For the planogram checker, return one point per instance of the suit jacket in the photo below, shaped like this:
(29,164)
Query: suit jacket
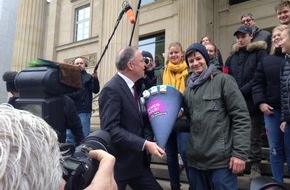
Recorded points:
(120,116)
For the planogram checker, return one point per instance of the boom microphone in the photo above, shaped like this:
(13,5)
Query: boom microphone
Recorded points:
(130,13)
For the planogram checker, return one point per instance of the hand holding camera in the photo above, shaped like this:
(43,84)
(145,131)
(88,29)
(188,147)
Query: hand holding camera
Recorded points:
(80,169)
(105,172)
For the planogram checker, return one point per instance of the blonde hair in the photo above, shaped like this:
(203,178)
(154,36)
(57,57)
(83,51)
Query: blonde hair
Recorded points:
(281,28)
(177,45)
(29,152)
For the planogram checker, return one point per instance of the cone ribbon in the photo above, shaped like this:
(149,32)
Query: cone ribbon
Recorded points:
(162,103)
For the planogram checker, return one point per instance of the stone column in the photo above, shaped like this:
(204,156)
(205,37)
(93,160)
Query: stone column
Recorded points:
(121,38)
(30,30)
(195,20)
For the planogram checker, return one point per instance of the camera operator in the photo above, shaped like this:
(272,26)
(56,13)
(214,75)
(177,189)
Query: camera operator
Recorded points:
(30,157)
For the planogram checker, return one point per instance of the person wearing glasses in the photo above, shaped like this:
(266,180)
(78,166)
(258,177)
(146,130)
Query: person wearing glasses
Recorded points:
(258,33)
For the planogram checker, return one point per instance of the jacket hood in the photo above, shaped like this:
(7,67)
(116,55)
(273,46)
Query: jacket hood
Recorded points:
(258,45)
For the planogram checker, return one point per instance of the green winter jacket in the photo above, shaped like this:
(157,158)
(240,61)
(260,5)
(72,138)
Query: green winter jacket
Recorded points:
(220,123)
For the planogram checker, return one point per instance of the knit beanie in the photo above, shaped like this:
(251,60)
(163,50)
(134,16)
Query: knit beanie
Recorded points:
(147,54)
(197,47)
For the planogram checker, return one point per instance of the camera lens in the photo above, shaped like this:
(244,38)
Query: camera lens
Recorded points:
(97,140)
(147,60)
(79,169)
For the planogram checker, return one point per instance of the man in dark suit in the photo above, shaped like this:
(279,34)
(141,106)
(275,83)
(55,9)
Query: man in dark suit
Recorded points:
(120,116)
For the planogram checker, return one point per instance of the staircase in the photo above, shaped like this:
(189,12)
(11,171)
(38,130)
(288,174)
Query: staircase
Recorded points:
(159,169)
(159,166)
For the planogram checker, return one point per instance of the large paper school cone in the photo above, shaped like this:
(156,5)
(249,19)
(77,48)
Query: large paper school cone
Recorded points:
(162,103)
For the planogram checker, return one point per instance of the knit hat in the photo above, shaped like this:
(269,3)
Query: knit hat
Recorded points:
(147,54)
(197,47)
(243,29)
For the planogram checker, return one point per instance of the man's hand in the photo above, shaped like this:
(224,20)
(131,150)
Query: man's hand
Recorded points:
(237,165)
(104,178)
(266,109)
(95,75)
(282,126)
(154,149)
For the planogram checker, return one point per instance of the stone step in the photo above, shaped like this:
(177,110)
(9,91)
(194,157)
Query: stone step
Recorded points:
(159,169)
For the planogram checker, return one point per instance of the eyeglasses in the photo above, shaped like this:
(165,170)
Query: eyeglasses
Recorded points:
(246,21)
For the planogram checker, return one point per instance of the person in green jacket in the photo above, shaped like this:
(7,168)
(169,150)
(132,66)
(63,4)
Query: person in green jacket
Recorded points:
(219,140)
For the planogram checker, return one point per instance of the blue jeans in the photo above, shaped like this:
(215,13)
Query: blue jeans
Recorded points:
(276,143)
(176,144)
(182,139)
(287,145)
(217,179)
(86,124)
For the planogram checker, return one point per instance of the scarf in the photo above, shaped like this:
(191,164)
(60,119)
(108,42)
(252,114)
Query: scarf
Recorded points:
(175,75)
(197,80)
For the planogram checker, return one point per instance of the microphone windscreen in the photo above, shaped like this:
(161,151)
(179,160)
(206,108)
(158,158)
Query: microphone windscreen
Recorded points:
(131,16)
(9,76)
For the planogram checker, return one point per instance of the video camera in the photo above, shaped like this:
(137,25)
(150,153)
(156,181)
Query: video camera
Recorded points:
(78,168)
(147,60)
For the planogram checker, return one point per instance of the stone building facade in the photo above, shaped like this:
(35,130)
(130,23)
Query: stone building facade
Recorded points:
(8,15)
(48,30)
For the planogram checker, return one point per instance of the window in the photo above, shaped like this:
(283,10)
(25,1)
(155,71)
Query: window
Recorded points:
(82,23)
(155,44)
(233,2)
(145,2)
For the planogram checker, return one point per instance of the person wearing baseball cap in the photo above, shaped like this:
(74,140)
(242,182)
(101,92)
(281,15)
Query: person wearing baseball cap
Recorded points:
(242,65)
(244,29)
(218,144)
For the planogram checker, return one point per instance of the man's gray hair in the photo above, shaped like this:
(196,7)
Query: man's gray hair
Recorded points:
(124,56)
(248,15)
(29,152)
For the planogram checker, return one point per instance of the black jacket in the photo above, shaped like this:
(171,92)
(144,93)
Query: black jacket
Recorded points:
(262,35)
(120,116)
(83,98)
(72,120)
(285,83)
(242,65)
(266,84)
